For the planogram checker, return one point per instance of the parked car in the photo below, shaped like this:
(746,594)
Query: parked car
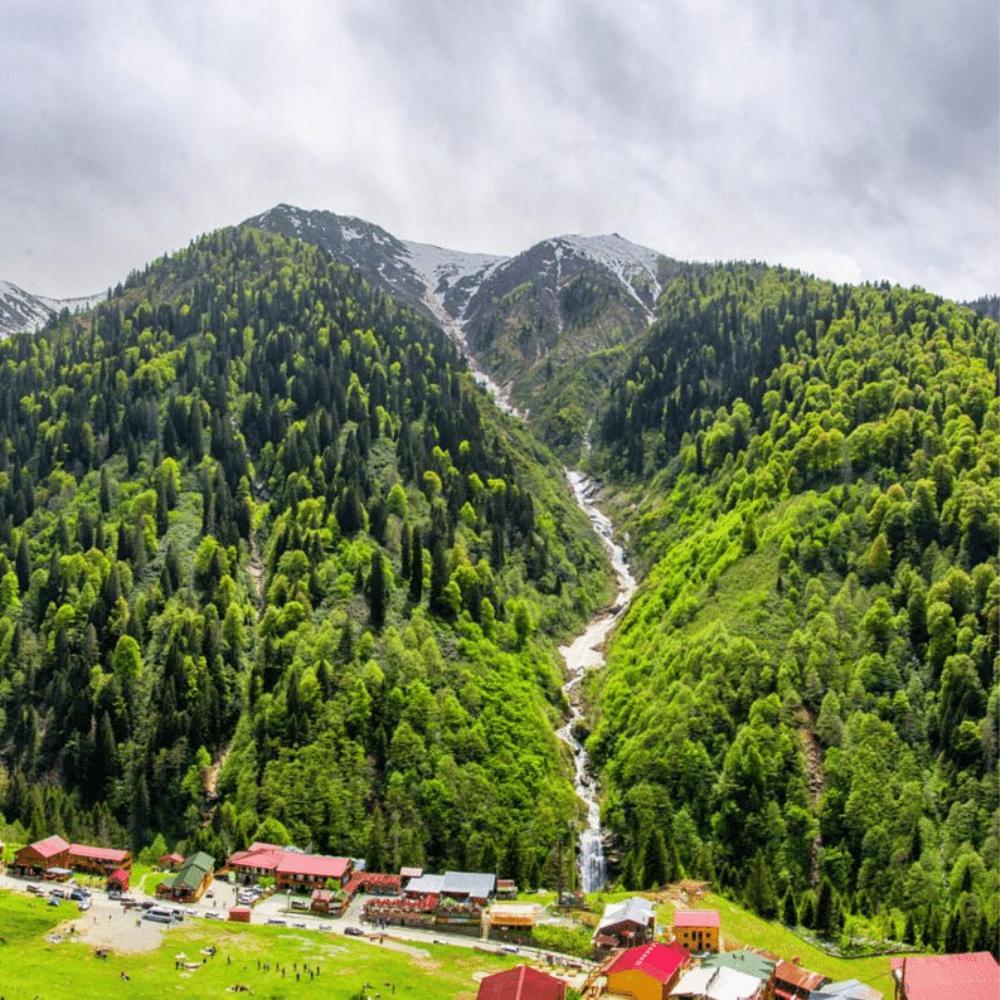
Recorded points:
(354,932)
(36,889)
(80,894)
(53,901)
(298,923)
(213,915)
(278,921)
(159,914)
(84,904)
(510,949)
(58,893)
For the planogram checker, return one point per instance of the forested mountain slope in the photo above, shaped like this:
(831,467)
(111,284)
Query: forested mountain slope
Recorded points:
(267,552)
(804,693)
(551,324)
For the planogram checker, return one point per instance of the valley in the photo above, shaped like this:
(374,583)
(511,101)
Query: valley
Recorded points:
(289,552)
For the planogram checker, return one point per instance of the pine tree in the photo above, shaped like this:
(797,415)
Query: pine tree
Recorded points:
(789,913)
(655,866)
(749,540)
(825,919)
(416,567)
(439,578)
(377,591)
(758,890)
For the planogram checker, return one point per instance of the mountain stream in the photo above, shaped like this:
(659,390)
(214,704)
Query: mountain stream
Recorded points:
(586,651)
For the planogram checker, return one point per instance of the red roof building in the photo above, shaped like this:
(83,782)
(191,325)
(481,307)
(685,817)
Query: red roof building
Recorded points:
(41,855)
(647,970)
(100,860)
(793,983)
(172,860)
(258,859)
(975,976)
(307,871)
(521,983)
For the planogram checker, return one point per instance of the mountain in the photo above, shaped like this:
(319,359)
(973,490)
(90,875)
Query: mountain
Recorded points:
(269,558)
(560,308)
(804,696)
(22,312)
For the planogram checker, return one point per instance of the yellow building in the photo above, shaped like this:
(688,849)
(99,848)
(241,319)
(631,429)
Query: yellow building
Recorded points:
(697,930)
(647,972)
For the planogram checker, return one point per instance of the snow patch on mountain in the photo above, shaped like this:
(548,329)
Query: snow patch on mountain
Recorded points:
(445,271)
(634,265)
(23,312)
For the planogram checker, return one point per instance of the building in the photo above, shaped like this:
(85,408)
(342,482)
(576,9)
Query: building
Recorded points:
(240,914)
(521,983)
(42,855)
(190,881)
(472,887)
(422,886)
(630,922)
(849,989)
(305,872)
(374,883)
(647,972)
(98,860)
(259,859)
(118,880)
(746,961)
(171,861)
(506,888)
(975,976)
(719,983)
(322,901)
(793,983)
(697,930)
(517,916)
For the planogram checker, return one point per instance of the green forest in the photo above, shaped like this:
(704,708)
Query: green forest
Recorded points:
(271,564)
(802,702)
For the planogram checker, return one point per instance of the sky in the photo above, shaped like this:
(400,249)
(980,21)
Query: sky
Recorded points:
(857,139)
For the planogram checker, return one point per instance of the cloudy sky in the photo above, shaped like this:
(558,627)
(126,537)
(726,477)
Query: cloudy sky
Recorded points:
(854,138)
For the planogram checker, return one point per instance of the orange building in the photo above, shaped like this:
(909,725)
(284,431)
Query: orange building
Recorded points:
(697,930)
(647,972)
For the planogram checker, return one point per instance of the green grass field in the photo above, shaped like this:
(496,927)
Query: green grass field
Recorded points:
(32,967)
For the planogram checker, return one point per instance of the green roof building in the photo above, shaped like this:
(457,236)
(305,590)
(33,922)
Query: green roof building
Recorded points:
(193,877)
(742,961)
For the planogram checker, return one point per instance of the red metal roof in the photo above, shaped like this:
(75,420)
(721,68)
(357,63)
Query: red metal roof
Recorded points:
(50,846)
(120,876)
(312,864)
(265,856)
(172,857)
(794,976)
(521,983)
(98,853)
(975,976)
(659,961)
(697,918)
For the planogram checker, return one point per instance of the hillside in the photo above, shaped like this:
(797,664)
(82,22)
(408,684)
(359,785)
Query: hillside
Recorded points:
(267,552)
(804,694)
(549,324)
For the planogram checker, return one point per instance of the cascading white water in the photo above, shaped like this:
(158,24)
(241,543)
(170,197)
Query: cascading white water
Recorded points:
(585,653)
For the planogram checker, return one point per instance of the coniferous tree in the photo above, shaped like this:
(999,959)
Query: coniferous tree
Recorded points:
(758,890)
(377,591)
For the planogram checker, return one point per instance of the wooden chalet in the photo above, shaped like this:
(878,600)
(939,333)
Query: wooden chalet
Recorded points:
(171,861)
(627,923)
(190,881)
(647,972)
(42,855)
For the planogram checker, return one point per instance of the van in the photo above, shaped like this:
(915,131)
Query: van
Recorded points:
(160,915)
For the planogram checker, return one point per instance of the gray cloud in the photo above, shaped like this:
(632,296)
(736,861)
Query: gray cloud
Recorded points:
(856,139)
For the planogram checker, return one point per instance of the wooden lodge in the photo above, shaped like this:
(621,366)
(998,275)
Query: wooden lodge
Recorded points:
(697,930)
(191,880)
(53,854)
